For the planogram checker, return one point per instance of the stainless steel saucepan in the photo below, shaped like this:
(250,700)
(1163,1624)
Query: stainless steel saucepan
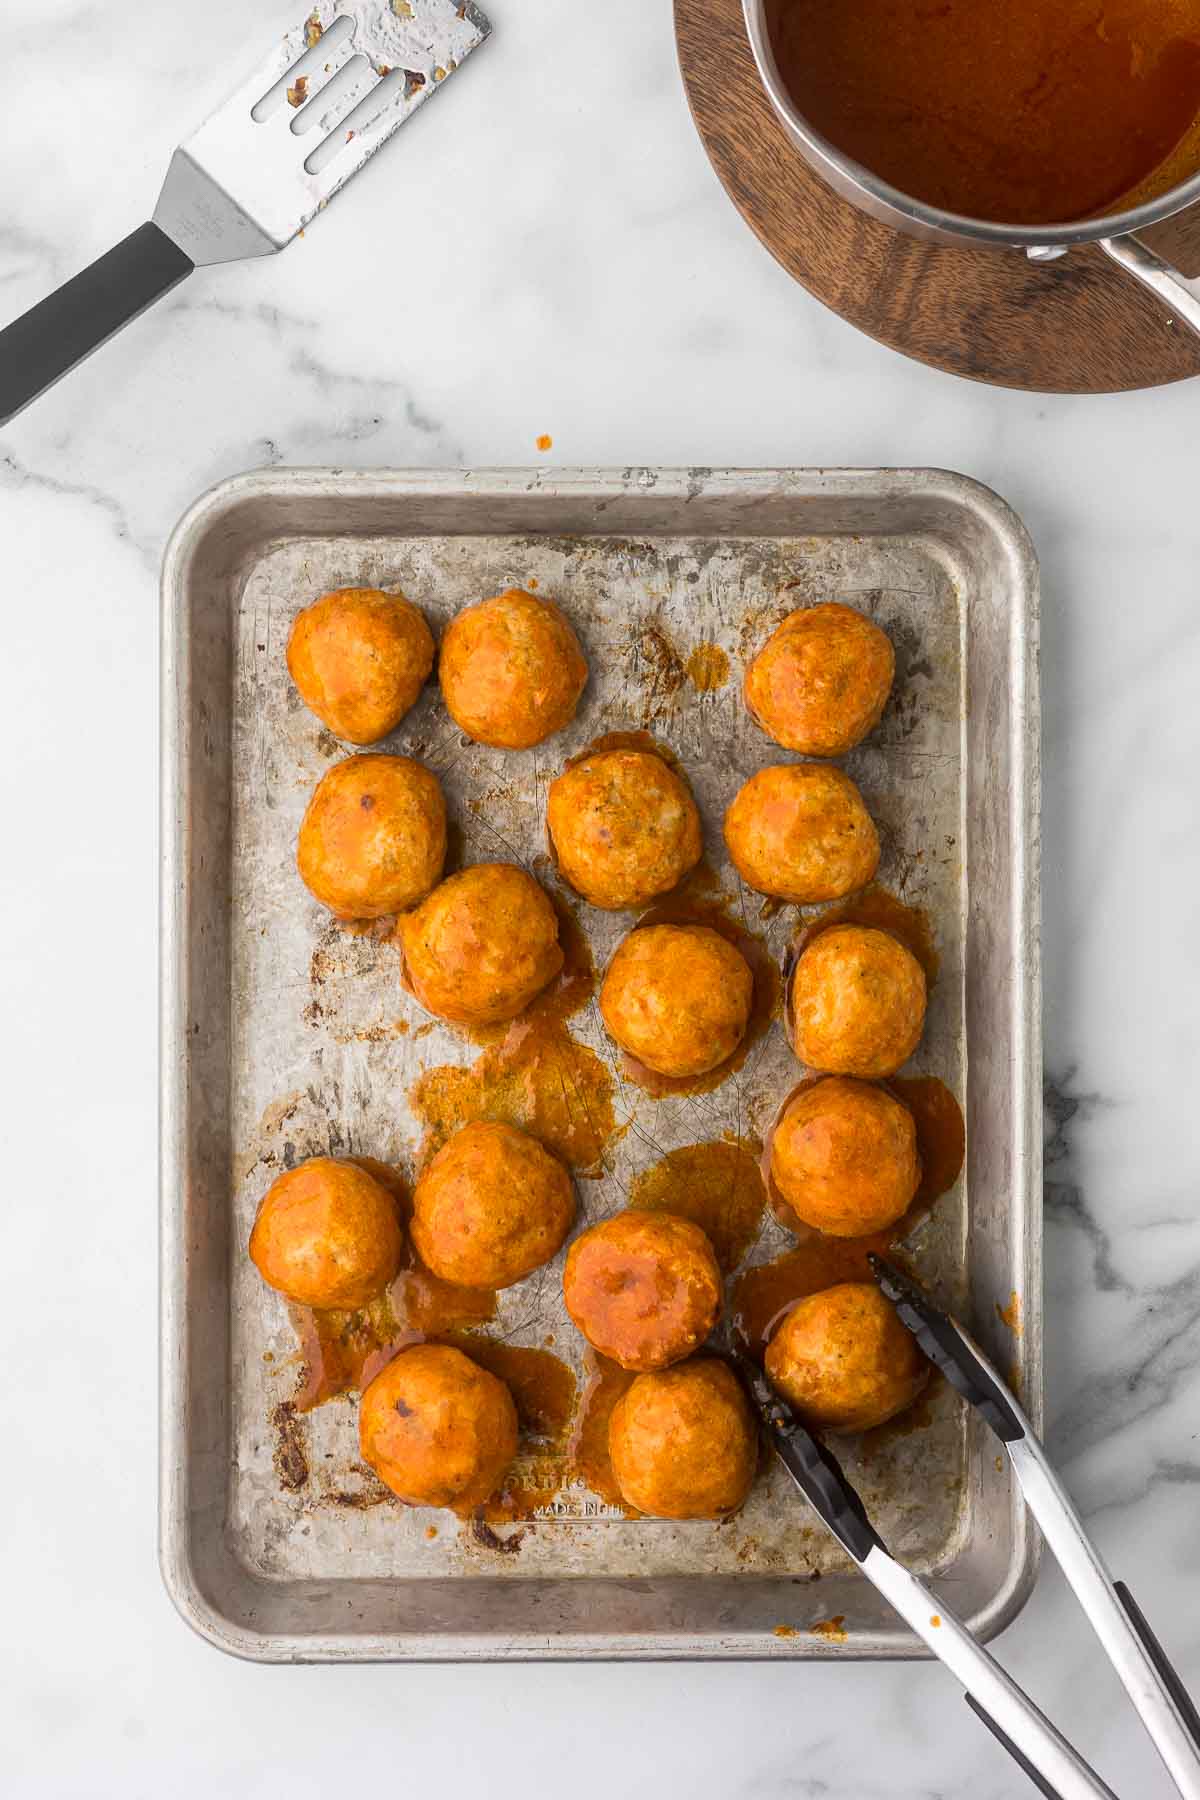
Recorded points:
(1115,232)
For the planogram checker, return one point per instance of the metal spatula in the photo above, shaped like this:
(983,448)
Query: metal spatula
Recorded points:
(256,172)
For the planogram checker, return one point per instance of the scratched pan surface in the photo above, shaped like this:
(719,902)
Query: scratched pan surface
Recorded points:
(284,1036)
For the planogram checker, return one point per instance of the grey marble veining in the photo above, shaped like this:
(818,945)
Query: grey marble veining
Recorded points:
(545,252)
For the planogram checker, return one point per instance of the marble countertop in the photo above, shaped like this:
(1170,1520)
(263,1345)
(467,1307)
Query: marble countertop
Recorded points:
(545,252)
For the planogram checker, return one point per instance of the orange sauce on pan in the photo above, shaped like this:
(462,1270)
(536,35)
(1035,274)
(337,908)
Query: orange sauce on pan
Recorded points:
(587,1452)
(718,1186)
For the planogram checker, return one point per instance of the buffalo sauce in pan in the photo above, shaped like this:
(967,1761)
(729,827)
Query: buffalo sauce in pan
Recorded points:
(1024,112)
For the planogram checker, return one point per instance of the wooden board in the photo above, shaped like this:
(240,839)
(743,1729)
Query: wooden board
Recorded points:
(1075,326)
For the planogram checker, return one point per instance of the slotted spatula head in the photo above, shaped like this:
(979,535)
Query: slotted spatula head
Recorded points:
(324,102)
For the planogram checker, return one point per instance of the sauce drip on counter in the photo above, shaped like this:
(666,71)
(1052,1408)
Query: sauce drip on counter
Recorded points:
(1023,112)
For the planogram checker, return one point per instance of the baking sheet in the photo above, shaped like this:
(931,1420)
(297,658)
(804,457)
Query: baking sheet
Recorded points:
(323,1045)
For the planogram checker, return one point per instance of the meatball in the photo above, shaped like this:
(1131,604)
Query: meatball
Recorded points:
(511,670)
(844,1157)
(643,1287)
(858,1002)
(822,680)
(482,946)
(843,1359)
(683,1442)
(327,1234)
(438,1429)
(678,998)
(800,831)
(373,839)
(624,827)
(491,1207)
(359,658)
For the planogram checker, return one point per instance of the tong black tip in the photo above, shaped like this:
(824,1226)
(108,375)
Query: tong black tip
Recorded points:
(949,1349)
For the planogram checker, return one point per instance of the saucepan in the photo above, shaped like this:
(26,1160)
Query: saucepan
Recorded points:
(1114,232)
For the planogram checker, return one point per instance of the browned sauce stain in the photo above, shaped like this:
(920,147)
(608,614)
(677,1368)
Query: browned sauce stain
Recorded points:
(291,1447)
(707,668)
(832,1630)
(363,1499)
(692,904)
(587,1451)
(785,1631)
(298,92)
(487,1539)
(545,441)
(313,31)
(716,1185)
(658,670)
(1010,1315)
(431,1532)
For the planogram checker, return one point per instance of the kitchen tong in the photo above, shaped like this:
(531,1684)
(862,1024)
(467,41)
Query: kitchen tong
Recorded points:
(1151,1682)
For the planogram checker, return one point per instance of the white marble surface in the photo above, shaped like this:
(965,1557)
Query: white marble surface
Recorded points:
(546,250)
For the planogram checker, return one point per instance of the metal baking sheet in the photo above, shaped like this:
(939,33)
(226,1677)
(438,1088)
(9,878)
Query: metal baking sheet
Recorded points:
(283,1036)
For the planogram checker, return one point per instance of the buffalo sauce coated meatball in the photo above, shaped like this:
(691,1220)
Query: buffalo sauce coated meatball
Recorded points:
(842,1358)
(624,827)
(511,670)
(858,1002)
(482,946)
(678,998)
(491,1207)
(373,839)
(800,831)
(643,1287)
(822,680)
(359,658)
(683,1442)
(844,1157)
(438,1429)
(327,1234)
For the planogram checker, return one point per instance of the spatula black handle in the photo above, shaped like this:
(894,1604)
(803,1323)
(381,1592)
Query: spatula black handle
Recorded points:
(37,349)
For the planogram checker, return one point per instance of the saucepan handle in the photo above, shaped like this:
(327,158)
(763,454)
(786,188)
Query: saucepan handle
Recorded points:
(1179,292)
